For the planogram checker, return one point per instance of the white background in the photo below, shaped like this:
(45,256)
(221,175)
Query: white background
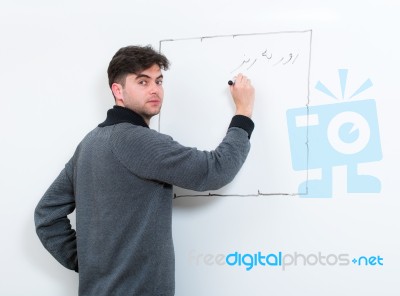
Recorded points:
(53,61)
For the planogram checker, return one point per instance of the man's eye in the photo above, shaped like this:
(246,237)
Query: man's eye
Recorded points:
(159,82)
(142,82)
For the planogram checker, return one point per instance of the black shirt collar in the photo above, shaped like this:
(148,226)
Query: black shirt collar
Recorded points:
(120,114)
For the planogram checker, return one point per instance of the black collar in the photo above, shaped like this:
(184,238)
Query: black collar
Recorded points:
(120,114)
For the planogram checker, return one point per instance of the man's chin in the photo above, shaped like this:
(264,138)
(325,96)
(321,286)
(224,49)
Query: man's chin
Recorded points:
(152,114)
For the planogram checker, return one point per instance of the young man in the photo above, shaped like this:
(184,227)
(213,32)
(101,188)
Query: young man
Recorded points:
(120,181)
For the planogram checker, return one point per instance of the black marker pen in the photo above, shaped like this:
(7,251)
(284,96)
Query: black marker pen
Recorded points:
(231,82)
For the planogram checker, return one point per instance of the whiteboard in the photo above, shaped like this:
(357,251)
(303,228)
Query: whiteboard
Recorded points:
(278,63)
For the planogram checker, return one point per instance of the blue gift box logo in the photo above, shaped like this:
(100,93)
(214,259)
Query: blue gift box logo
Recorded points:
(325,136)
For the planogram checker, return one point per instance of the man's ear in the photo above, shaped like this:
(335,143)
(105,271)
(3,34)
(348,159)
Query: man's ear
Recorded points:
(116,89)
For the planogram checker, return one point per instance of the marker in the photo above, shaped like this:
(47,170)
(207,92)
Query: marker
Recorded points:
(231,82)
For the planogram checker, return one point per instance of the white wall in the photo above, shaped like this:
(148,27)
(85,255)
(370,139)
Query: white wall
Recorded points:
(53,61)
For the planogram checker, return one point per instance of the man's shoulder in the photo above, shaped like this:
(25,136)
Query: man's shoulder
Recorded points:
(125,129)
(123,134)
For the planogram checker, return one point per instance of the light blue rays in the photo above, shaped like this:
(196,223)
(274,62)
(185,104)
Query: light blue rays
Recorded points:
(343,85)
(321,87)
(367,84)
(343,80)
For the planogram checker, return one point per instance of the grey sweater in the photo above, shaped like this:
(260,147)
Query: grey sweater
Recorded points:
(120,180)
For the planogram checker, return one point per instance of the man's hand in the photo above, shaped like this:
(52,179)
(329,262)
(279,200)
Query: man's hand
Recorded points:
(243,95)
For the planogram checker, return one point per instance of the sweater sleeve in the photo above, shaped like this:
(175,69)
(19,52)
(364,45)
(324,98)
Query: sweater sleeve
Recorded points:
(52,224)
(151,155)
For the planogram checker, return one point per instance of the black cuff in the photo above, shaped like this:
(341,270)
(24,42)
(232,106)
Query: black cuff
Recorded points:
(243,122)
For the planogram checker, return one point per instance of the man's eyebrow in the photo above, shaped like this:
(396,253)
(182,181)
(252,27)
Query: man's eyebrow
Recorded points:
(147,76)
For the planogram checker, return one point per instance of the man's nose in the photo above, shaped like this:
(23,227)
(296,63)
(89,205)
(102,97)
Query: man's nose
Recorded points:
(155,88)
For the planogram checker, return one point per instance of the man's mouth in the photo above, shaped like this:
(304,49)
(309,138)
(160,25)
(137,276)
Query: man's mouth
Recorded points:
(154,101)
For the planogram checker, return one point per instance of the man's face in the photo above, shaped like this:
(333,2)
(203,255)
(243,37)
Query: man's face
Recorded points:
(142,93)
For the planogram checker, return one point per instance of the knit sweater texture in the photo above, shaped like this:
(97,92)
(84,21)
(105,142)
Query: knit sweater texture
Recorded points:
(120,182)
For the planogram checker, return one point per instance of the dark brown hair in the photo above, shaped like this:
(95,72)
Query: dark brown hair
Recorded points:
(132,60)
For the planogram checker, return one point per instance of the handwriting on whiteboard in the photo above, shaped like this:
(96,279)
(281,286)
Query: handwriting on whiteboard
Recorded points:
(269,57)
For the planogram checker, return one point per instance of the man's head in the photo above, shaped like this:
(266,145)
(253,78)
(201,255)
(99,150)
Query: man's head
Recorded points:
(135,78)
(133,60)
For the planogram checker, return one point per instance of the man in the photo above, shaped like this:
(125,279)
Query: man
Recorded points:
(120,180)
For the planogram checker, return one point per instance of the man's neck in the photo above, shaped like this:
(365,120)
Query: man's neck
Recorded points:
(120,114)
